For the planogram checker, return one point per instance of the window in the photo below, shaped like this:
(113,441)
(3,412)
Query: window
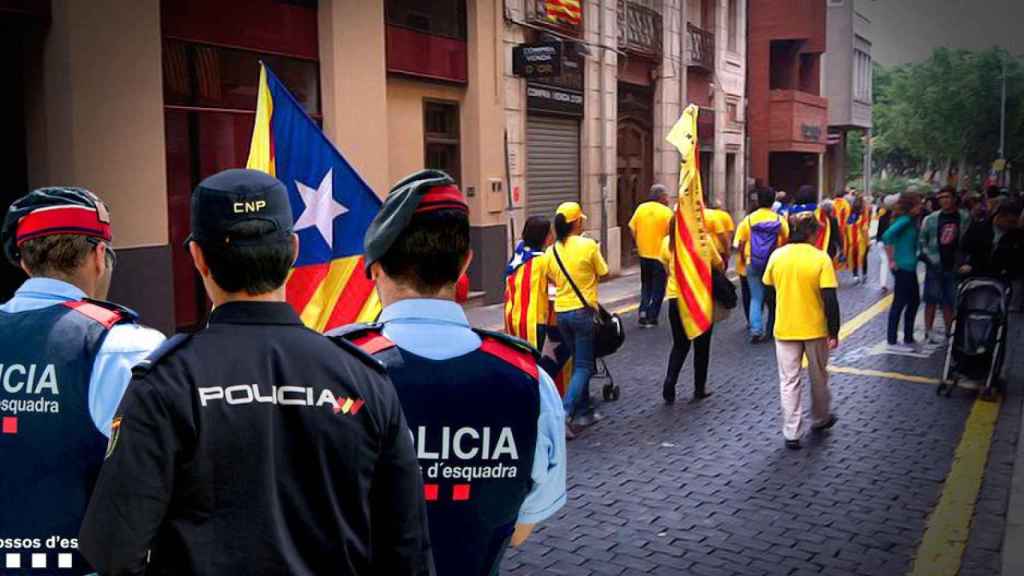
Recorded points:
(437,17)
(733,24)
(441,137)
(732,111)
(862,76)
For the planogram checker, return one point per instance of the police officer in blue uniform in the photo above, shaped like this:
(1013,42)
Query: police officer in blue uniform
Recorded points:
(65,360)
(488,423)
(256,446)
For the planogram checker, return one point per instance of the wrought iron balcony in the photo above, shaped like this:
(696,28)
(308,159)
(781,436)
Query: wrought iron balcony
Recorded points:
(700,48)
(640,27)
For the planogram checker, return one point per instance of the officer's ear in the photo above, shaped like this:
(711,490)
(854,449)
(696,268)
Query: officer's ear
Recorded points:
(198,259)
(295,248)
(465,264)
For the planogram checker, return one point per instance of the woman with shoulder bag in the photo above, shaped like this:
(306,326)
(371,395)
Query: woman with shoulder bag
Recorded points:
(680,342)
(579,257)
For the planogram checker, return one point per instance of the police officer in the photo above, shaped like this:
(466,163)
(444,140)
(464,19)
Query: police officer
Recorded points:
(65,360)
(256,446)
(488,423)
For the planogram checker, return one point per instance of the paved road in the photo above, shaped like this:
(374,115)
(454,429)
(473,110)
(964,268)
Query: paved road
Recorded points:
(709,489)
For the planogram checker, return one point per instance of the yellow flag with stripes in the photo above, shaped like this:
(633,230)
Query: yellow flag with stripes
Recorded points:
(691,266)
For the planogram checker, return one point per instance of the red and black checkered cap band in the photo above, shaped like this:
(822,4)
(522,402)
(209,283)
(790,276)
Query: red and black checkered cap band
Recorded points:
(72,220)
(442,198)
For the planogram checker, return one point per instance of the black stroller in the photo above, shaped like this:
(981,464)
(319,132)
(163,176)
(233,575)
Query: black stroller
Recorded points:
(978,345)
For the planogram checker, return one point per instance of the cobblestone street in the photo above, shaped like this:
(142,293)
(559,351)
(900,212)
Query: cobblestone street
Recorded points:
(709,489)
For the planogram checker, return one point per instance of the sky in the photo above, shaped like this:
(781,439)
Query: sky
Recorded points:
(908,30)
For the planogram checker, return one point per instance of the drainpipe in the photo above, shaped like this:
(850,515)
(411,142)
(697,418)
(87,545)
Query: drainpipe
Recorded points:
(604,131)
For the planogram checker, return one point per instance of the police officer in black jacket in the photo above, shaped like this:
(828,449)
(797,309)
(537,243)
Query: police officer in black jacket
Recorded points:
(256,446)
(489,424)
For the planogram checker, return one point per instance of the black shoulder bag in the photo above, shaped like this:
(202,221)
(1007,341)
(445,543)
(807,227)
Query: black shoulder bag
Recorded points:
(609,334)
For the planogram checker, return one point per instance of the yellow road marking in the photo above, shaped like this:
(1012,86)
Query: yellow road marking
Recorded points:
(949,524)
(626,309)
(881,374)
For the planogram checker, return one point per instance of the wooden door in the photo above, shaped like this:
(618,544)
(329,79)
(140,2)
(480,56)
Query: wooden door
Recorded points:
(635,177)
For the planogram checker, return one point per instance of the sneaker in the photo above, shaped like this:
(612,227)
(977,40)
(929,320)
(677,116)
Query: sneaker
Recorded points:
(832,419)
(902,348)
(793,444)
(756,338)
(933,339)
(584,421)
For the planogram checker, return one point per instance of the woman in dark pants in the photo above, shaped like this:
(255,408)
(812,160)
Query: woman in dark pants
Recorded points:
(901,245)
(680,343)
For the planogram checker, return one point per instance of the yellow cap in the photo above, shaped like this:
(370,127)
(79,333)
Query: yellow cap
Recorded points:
(571,211)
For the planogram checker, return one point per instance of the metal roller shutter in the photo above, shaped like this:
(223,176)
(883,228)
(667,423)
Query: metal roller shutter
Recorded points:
(552,163)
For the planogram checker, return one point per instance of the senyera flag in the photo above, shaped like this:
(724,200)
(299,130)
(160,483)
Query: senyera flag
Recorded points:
(331,204)
(691,264)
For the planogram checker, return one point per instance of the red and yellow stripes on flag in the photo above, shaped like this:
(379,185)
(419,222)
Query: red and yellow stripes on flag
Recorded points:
(824,229)
(567,11)
(842,211)
(692,257)
(857,240)
(526,300)
(324,295)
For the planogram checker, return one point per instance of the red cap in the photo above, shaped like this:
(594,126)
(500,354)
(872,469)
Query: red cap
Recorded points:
(74,220)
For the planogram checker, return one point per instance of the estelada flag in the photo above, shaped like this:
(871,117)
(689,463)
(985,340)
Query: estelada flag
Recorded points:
(526,294)
(332,207)
(691,264)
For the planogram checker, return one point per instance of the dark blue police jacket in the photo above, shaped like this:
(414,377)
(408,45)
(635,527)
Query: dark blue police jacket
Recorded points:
(50,449)
(474,422)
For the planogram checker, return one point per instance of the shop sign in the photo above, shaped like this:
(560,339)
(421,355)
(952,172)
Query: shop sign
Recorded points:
(542,60)
(810,132)
(551,99)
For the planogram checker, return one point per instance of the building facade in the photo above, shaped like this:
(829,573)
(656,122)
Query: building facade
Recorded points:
(139,100)
(787,113)
(847,79)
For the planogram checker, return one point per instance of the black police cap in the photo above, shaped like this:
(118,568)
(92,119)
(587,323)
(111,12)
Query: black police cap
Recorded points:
(420,192)
(231,197)
(39,214)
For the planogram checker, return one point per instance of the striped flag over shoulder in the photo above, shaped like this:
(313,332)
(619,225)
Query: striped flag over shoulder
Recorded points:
(691,266)
(331,204)
(526,294)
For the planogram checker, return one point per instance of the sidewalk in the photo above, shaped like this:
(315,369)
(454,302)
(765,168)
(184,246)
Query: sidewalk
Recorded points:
(619,291)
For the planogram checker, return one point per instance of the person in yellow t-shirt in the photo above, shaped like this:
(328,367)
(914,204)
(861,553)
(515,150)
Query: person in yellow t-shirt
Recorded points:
(752,248)
(649,226)
(721,226)
(807,323)
(680,343)
(581,259)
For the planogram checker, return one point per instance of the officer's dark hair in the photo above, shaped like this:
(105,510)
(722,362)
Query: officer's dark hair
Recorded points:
(803,227)
(562,228)
(535,232)
(58,255)
(765,196)
(429,253)
(253,269)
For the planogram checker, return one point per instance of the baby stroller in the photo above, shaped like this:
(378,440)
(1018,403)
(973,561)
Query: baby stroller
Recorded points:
(978,345)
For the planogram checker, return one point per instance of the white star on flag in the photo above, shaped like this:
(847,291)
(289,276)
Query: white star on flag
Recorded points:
(321,208)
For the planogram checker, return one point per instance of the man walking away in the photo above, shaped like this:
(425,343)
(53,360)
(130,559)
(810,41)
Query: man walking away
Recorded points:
(993,247)
(721,227)
(256,446)
(757,237)
(488,423)
(901,244)
(649,226)
(807,324)
(941,236)
(63,348)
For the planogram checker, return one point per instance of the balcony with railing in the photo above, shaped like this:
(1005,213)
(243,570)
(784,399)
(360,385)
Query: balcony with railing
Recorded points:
(640,30)
(700,48)
(799,121)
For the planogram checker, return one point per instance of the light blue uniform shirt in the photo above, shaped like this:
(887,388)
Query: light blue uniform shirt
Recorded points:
(439,330)
(125,346)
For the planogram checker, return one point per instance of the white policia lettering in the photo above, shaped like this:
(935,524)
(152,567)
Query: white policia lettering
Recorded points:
(280,395)
(466,444)
(17,376)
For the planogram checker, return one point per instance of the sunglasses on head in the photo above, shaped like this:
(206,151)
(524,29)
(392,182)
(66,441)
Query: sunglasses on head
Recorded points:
(110,250)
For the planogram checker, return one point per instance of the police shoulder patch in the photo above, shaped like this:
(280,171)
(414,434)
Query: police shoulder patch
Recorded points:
(514,351)
(106,313)
(165,349)
(351,347)
(508,340)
